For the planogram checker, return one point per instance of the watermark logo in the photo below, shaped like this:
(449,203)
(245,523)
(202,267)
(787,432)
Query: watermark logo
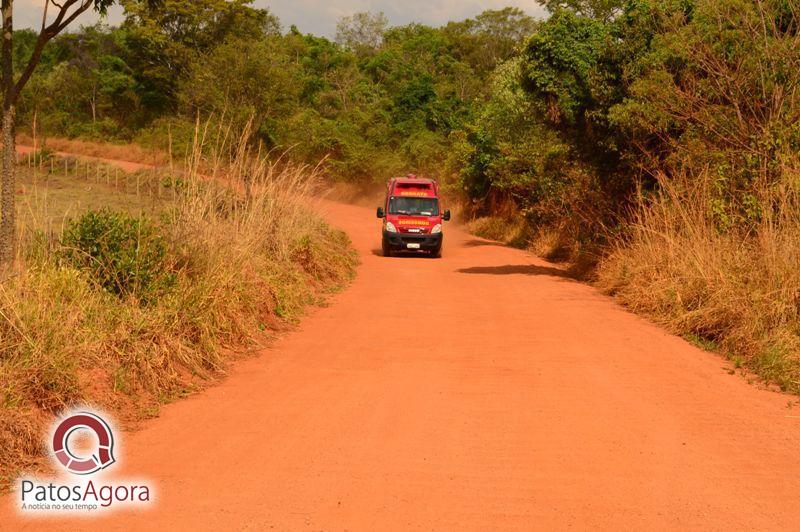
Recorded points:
(104,455)
(83,447)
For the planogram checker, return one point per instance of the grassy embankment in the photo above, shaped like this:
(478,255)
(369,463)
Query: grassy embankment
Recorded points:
(140,304)
(732,292)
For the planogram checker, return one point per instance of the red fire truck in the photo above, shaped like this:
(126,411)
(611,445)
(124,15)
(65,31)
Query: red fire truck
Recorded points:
(412,216)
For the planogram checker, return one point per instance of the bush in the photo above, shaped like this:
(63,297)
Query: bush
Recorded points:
(104,129)
(42,156)
(125,254)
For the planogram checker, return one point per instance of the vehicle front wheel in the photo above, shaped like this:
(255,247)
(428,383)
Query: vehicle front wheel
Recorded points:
(387,251)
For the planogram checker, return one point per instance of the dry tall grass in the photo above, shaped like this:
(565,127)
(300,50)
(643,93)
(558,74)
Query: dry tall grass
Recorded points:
(101,150)
(736,291)
(510,231)
(248,254)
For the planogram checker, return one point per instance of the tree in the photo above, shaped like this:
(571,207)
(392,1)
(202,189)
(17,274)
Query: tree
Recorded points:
(361,33)
(714,89)
(512,153)
(260,84)
(167,37)
(560,63)
(198,25)
(96,54)
(65,13)
(490,38)
(603,10)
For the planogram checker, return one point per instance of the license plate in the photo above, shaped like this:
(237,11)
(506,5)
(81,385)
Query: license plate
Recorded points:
(413,246)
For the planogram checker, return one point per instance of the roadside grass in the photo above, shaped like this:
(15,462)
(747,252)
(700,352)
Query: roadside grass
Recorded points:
(730,291)
(549,243)
(737,293)
(244,257)
(510,231)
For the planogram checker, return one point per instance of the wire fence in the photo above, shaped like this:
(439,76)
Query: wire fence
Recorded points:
(155,182)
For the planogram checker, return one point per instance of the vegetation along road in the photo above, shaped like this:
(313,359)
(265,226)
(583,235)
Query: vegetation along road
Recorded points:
(483,390)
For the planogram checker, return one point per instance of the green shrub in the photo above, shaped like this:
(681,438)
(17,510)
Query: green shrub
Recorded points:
(124,254)
(104,130)
(42,156)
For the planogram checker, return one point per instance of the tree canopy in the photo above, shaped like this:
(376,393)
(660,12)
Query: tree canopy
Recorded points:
(580,107)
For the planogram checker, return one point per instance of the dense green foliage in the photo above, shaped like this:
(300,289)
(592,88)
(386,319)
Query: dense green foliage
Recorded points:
(563,119)
(124,254)
(374,102)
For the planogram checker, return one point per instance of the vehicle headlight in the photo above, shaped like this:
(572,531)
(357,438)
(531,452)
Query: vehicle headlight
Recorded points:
(436,229)
(390,227)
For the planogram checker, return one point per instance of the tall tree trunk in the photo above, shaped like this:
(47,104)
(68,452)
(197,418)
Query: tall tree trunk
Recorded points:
(9,170)
(9,177)
(94,104)
(68,11)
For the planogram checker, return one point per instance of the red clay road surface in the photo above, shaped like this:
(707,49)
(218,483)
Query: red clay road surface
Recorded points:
(481,391)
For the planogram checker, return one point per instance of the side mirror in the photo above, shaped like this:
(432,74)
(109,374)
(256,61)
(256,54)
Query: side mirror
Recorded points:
(446,216)
(380,213)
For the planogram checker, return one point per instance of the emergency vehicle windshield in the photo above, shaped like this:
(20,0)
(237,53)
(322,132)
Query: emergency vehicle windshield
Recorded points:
(414,206)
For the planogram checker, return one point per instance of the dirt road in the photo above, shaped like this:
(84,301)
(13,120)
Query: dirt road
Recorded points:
(127,166)
(481,391)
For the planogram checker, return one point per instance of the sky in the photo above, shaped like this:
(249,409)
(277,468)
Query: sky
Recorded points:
(319,17)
